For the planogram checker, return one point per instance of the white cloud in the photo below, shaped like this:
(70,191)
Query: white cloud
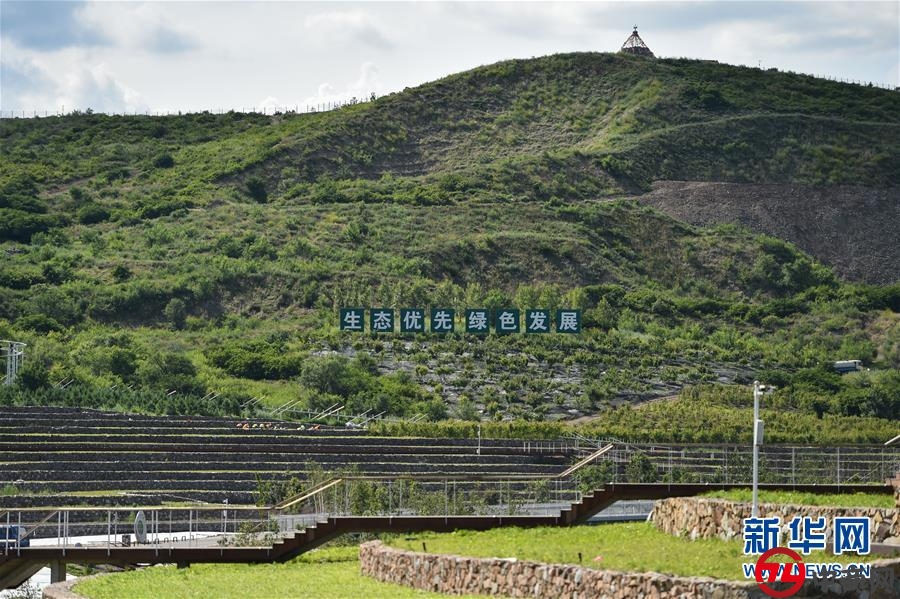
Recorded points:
(97,88)
(271,104)
(346,27)
(144,25)
(367,83)
(68,79)
(221,55)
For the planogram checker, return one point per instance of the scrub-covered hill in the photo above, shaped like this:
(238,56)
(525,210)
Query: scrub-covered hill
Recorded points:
(209,254)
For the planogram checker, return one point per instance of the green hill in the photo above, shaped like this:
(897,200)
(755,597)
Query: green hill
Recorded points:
(209,253)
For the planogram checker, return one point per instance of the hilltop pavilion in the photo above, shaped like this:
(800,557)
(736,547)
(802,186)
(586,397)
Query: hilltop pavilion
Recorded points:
(635,45)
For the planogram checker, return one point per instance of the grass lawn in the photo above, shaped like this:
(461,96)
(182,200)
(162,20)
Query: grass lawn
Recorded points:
(883,500)
(334,573)
(637,546)
(324,574)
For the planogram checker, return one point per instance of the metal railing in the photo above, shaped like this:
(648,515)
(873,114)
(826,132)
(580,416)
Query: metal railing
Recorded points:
(13,353)
(433,496)
(157,527)
(734,463)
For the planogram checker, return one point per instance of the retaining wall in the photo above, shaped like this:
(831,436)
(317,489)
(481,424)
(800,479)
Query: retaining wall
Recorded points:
(455,575)
(699,517)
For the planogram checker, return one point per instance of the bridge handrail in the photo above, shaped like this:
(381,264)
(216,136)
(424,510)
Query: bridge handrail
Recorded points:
(584,462)
(323,486)
(309,493)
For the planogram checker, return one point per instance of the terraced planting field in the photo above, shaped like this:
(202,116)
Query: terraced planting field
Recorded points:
(62,457)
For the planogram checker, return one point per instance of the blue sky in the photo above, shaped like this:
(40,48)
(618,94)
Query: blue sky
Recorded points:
(209,55)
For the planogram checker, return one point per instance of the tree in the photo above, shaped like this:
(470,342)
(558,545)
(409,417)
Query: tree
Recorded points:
(175,313)
(641,470)
(256,188)
(164,161)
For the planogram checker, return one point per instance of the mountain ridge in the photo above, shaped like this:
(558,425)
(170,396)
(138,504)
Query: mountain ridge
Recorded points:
(210,253)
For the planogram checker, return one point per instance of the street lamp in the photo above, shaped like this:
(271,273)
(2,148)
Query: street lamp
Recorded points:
(757,441)
(479,439)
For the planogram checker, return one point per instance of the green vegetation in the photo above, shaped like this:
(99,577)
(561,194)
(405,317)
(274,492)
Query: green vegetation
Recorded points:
(334,572)
(636,547)
(708,414)
(208,254)
(327,574)
(793,497)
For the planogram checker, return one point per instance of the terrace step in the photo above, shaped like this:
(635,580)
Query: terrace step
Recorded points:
(77,451)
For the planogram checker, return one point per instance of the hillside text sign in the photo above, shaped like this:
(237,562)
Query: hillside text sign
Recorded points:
(474,321)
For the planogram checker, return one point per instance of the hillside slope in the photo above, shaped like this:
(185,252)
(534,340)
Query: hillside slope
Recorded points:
(208,254)
(852,229)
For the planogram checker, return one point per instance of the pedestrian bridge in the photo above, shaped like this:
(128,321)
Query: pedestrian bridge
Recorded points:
(246,534)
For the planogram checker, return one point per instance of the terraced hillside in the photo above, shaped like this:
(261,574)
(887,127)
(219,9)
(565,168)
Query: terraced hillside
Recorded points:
(209,254)
(56,456)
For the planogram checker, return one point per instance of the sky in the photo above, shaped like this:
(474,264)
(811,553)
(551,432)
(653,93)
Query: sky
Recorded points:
(190,56)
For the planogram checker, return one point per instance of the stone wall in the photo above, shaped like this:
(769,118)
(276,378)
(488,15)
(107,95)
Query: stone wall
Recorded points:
(63,590)
(703,518)
(456,575)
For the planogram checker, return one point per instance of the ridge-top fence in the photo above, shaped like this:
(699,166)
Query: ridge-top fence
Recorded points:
(305,108)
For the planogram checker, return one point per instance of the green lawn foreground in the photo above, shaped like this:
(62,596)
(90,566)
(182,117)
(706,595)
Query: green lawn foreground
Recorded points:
(864,500)
(331,573)
(632,546)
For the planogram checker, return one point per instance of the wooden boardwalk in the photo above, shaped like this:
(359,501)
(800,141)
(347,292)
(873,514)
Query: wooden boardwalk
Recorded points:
(19,564)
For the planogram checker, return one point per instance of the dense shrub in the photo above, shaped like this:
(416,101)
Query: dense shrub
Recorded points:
(92,213)
(164,161)
(255,360)
(18,225)
(256,189)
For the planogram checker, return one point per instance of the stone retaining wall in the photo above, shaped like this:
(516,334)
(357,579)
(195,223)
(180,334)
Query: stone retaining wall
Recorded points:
(703,518)
(456,575)
(63,590)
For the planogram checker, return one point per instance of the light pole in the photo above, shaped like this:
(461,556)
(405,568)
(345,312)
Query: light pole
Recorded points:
(757,441)
(479,439)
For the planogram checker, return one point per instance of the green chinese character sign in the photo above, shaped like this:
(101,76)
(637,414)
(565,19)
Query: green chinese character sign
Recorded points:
(353,319)
(381,320)
(568,321)
(537,321)
(507,321)
(412,320)
(441,320)
(478,321)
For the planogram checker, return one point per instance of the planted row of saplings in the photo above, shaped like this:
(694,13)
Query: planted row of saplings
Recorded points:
(244,455)
(325,443)
(137,484)
(148,498)
(105,471)
(50,412)
(33,428)
(742,452)
(13,436)
(255,455)
(10,426)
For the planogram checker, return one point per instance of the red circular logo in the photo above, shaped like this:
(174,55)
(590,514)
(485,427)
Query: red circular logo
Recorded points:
(767,572)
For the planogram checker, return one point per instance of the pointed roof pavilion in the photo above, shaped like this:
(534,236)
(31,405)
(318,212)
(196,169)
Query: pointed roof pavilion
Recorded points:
(635,45)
